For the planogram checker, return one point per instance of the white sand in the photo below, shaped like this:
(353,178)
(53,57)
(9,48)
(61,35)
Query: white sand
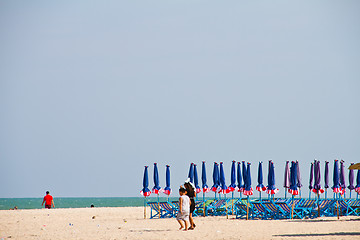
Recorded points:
(128,223)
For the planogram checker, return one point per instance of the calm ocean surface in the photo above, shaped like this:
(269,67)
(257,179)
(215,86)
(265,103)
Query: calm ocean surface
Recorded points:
(35,203)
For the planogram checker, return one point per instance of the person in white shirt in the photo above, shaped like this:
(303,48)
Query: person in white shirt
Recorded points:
(184,209)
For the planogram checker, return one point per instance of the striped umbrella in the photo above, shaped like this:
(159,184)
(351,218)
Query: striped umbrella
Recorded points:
(196,180)
(167,189)
(203,178)
(232,185)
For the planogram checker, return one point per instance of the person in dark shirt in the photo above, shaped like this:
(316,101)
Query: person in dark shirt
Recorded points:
(191,194)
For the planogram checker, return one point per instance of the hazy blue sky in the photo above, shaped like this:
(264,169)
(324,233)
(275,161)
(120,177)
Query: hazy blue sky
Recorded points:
(91,91)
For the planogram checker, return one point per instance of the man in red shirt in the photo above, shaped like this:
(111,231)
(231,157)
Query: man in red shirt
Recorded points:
(48,199)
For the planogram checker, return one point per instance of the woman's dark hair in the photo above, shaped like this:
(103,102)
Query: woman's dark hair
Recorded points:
(189,188)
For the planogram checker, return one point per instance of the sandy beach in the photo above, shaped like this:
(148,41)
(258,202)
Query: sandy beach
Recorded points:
(128,223)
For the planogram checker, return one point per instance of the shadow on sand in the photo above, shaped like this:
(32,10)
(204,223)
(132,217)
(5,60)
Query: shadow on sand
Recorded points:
(320,234)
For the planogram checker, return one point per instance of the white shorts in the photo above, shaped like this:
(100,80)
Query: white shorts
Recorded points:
(183,216)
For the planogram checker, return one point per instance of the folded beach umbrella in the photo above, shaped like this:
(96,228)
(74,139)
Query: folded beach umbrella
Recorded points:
(156,189)
(311,177)
(326,178)
(351,179)
(196,180)
(299,184)
(223,188)
(317,185)
(244,174)
(203,178)
(240,188)
(145,191)
(271,189)
(342,177)
(293,188)
(336,187)
(216,177)
(232,185)
(167,189)
(191,173)
(287,177)
(357,187)
(248,189)
(260,187)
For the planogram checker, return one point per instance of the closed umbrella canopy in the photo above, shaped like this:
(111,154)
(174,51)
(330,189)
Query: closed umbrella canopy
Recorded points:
(232,185)
(342,177)
(336,187)
(244,174)
(203,178)
(239,178)
(293,188)
(317,185)
(287,175)
(271,189)
(357,187)
(326,178)
(156,189)
(248,189)
(299,184)
(351,179)
(196,180)
(223,187)
(167,189)
(216,177)
(311,176)
(260,187)
(191,173)
(145,191)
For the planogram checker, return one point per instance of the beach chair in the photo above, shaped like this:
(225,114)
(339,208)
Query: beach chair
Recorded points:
(154,209)
(217,208)
(326,208)
(306,206)
(168,210)
(258,210)
(241,210)
(348,207)
(231,205)
(354,207)
(199,208)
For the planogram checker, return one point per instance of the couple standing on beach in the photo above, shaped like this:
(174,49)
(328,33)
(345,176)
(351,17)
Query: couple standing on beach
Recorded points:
(186,205)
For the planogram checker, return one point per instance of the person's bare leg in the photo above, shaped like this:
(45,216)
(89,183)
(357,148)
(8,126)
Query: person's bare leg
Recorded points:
(181,225)
(192,225)
(186,226)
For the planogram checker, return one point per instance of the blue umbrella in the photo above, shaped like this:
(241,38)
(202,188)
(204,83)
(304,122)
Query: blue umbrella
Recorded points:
(317,185)
(244,174)
(342,177)
(215,186)
(351,180)
(293,188)
(336,187)
(260,187)
(239,178)
(248,189)
(357,187)
(326,178)
(203,178)
(311,178)
(232,185)
(223,187)
(196,180)
(287,177)
(145,191)
(271,189)
(299,184)
(167,189)
(156,189)
(191,173)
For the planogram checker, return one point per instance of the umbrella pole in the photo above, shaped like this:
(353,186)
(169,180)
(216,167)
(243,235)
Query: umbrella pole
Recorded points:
(300,192)
(247,208)
(285,193)
(325,193)
(226,210)
(292,207)
(318,202)
(309,194)
(204,203)
(144,207)
(159,205)
(232,203)
(350,193)
(260,195)
(337,207)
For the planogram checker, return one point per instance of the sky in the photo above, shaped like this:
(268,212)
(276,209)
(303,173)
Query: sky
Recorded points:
(92,91)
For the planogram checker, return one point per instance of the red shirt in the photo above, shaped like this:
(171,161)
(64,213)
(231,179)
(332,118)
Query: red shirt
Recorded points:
(48,198)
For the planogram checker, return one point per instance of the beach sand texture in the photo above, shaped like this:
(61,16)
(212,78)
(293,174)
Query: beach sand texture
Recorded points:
(128,223)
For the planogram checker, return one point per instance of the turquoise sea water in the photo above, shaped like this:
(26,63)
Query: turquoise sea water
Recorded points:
(35,203)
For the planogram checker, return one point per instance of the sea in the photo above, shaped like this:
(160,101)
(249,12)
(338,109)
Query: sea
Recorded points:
(79,202)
